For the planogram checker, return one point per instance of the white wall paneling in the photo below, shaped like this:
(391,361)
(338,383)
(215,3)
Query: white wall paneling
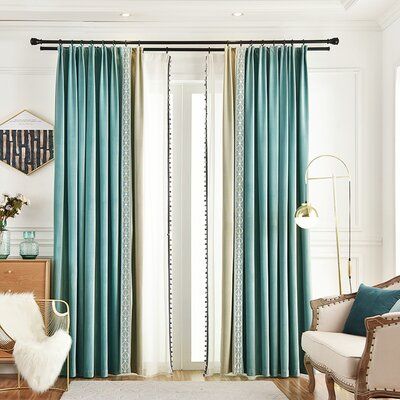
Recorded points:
(30,87)
(390,148)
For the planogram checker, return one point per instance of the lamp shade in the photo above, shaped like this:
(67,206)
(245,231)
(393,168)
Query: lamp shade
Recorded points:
(306,216)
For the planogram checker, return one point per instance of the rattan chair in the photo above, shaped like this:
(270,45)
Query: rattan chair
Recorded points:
(56,316)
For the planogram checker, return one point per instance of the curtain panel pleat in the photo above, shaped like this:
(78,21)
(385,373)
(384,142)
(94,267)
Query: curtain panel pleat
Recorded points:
(276,276)
(150,338)
(228,129)
(87,204)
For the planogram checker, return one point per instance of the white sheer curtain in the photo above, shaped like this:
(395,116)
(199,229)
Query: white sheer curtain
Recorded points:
(215,68)
(152,335)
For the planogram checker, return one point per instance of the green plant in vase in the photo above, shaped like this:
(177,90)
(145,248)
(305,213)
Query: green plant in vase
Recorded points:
(9,208)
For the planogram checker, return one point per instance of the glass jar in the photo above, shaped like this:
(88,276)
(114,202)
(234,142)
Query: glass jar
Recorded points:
(29,247)
(4,243)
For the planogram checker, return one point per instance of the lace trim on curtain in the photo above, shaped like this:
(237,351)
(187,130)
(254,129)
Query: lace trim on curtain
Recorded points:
(126,215)
(170,267)
(237,364)
(206,212)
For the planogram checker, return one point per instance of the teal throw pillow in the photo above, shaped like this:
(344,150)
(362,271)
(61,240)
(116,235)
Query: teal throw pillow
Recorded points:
(370,301)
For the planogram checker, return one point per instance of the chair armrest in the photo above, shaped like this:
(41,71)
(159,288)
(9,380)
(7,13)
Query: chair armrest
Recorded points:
(330,313)
(55,315)
(7,343)
(379,368)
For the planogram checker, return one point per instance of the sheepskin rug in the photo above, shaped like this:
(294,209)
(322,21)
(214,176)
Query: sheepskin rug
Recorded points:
(38,358)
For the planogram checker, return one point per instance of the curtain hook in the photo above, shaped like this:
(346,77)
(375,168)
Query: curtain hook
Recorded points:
(113,43)
(139,43)
(126,43)
(166,50)
(240,43)
(209,50)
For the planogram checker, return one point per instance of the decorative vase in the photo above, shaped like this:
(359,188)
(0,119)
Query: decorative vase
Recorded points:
(29,247)
(4,241)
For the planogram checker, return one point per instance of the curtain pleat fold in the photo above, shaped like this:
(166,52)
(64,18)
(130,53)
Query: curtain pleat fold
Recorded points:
(276,283)
(228,132)
(150,338)
(87,208)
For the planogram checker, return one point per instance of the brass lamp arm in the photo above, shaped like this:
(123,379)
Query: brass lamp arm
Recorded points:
(307,178)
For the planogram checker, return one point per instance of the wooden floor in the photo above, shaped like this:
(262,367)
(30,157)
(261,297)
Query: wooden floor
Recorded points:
(293,388)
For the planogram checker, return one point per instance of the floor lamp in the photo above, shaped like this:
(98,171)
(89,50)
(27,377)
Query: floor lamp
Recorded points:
(307,216)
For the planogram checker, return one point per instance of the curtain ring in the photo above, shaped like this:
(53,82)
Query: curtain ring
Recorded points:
(304,42)
(81,43)
(139,43)
(113,43)
(273,43)
(166,50)
(240,43)
(59,42)
(126,43)
(209,50)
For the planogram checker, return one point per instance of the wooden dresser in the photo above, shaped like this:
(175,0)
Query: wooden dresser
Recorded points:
(17,275)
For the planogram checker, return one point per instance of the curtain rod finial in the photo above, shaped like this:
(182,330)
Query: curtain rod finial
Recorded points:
(334,40)
(34,41)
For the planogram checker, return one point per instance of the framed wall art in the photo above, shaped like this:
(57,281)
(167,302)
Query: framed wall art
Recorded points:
(26,142)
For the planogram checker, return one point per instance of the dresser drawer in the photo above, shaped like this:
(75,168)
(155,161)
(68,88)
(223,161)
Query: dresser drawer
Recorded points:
(25,276)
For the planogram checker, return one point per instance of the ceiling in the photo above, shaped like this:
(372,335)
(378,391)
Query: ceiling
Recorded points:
(374,14)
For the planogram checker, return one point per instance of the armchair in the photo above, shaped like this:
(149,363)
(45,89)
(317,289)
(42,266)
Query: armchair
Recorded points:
(55,314)
(367,366)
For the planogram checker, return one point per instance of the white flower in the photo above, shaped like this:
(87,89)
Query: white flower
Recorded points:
(22,198)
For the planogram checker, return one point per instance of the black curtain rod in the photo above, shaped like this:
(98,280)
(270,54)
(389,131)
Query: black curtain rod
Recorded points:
(333,41)
(188,49)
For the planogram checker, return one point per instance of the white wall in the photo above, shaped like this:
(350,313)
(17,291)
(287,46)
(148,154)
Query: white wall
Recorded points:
(390,62)
(345,119)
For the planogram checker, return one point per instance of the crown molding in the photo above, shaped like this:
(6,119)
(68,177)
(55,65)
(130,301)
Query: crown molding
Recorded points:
(390,16)
(348,3)
(226,30)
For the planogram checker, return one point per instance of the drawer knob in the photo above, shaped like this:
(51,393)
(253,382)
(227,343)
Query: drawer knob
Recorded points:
(9,271)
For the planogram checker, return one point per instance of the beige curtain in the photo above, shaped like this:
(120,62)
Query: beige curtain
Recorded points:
(151,353)
(227,213)
(137,151)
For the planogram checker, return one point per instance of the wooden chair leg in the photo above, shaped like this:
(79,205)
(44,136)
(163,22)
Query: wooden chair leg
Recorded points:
(330,385)
(310,372)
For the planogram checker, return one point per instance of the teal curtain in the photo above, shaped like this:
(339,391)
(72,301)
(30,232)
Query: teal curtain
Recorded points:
(86,270)
(276,279)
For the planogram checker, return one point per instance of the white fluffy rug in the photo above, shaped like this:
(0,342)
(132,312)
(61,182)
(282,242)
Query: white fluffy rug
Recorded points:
(159,390)
(39,358)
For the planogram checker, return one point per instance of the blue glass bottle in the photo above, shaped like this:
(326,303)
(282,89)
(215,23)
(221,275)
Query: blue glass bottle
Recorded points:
(4,242)
(29,247)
